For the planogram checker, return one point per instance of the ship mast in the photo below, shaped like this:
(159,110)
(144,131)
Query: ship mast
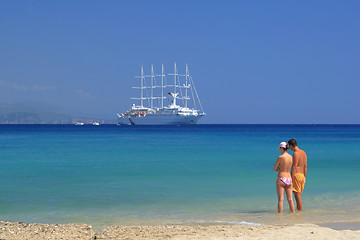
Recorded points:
(142,81)
(186,85)
(152,84)
(142,87)
(162,86)
(175,77)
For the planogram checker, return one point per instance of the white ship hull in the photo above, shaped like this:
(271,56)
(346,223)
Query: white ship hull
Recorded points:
(160,119)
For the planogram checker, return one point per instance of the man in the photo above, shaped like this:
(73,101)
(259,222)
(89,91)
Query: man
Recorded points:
(298,171)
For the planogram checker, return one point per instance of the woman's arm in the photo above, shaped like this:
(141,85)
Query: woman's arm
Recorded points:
(277,165)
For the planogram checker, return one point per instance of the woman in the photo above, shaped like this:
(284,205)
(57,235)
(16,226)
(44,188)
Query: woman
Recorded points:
(283,182)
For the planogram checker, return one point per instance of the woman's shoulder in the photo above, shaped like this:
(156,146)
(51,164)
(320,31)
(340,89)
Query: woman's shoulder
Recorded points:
(288,156)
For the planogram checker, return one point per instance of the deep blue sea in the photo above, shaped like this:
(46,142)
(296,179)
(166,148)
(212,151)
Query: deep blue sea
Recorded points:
(108,174)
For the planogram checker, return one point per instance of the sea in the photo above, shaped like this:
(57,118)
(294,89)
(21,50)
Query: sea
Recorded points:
(200,174)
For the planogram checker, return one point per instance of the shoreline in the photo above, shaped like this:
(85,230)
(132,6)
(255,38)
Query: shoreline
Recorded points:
(21,230)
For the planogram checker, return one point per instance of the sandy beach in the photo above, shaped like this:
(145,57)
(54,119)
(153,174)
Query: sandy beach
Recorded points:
(21,230)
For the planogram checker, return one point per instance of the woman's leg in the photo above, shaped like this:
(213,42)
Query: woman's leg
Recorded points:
(280,194)
(288,192)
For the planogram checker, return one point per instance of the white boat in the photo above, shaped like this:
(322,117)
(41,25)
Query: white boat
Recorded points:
(155,113)
(79,123)
(96,124)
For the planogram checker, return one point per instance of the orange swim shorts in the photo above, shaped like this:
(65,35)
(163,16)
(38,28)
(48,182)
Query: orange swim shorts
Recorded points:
(298,181)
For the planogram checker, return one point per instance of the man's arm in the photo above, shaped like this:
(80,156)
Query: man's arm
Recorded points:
(296,158)
(305,164)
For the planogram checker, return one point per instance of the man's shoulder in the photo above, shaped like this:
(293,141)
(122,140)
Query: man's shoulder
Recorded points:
(296,153)
(302,152)
(299,152)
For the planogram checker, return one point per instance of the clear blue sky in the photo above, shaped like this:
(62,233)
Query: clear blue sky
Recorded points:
(252,61)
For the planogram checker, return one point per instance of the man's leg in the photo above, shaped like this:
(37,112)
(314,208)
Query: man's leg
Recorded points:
(298,201)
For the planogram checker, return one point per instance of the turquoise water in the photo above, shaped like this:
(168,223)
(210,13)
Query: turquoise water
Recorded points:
(104,175)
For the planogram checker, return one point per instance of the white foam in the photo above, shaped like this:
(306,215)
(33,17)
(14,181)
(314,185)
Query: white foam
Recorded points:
(234,223)
(240,223)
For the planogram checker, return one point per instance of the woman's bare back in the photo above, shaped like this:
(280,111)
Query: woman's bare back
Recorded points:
(284,164)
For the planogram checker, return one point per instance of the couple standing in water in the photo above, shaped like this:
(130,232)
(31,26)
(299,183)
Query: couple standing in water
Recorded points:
(292,174)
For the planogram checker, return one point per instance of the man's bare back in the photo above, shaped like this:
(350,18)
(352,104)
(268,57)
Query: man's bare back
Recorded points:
(299,162)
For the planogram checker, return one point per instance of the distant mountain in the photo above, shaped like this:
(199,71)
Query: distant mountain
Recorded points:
(32,113)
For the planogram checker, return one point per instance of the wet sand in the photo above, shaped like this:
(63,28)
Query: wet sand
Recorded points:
(342,225)
(178,232)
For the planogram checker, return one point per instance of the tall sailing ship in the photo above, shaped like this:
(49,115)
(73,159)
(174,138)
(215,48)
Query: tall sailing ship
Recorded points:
(180,90)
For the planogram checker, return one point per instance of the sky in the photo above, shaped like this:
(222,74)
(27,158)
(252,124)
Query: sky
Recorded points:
(253,62)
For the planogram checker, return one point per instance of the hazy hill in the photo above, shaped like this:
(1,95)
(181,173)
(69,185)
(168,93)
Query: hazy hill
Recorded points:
(38,113)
